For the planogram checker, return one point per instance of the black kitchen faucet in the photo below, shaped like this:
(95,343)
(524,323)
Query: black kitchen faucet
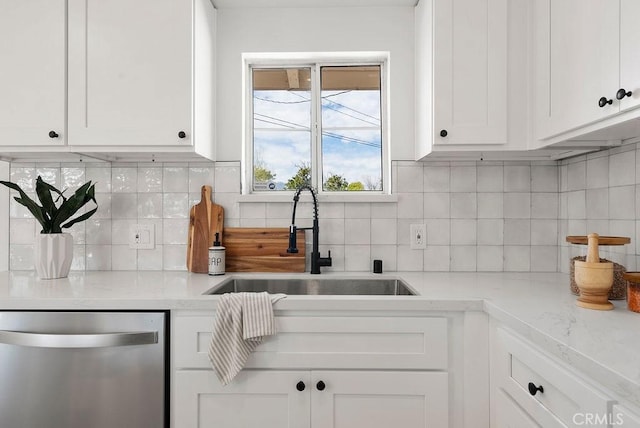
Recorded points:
(316,260)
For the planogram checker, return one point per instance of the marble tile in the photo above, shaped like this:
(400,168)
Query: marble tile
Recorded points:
(357,258)
(357,232)
(98,257)
(436,178)
(22,231)
(150,179)
(490,178)
(124,205)
(437,258)
(463,232)
(101,177)
(490,232)
(491,205)
(597,173)
(150,205)
(201,175)
(123,258)
(463,258)
(517,205)
(124,179)
(410,205)
(436,205)
(410,260)
(152,259)
(175,205)
(517,258)
(383,231)
(544,205)
(490,258)
(463,178)
(517,178)
(622,169)
(175,179)
(410,179)
(544,178)
(464,205)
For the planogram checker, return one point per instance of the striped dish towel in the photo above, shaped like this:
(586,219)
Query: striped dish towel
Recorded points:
(242,320)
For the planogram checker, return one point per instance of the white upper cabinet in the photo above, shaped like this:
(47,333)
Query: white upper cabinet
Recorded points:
(32,74)
(470,71)
(130,72)
(585,57)
(112,78)
(629,53)
(472,91)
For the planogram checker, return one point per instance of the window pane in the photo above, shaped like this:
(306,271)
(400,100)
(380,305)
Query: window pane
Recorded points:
(351,128)
(281,127)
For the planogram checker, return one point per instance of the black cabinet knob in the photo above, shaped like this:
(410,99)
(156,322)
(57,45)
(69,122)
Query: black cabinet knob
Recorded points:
(300,386)
(604,101)
(622,93)
(533,389)
(53,134)
(182,134)
(321,386)
(444,133)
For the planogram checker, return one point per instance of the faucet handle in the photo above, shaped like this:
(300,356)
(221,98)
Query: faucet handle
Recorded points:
(292,239)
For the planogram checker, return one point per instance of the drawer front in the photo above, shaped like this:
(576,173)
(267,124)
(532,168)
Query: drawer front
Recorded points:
(564,394)
(327,342)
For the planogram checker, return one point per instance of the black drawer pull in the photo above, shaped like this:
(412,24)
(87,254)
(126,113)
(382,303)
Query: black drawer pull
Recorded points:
(320,385)
(533,389)
(300,386)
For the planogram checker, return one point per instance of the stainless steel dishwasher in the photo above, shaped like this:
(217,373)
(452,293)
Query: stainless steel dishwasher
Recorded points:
(83,369)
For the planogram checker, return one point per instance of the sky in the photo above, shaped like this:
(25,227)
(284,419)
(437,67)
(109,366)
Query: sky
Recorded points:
(351,144)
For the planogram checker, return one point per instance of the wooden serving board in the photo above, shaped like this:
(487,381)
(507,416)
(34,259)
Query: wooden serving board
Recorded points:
(205,219)
(258,249)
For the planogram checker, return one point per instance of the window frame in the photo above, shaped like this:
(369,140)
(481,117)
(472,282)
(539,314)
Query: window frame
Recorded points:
(314,61)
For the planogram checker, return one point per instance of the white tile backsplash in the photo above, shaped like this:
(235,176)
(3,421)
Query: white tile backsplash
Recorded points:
(480,216)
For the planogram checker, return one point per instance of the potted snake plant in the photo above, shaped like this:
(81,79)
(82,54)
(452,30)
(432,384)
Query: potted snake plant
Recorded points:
(53,247)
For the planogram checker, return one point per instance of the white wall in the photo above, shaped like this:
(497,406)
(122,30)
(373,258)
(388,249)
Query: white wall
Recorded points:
(4,218)
(243,30)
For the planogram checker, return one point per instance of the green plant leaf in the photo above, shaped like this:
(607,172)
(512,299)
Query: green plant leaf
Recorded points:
(31,205)
(43,190)
(70,206)
(83,217)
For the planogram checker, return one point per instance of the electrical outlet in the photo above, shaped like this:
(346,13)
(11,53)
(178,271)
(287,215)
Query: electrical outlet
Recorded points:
(418,236)
(142,236)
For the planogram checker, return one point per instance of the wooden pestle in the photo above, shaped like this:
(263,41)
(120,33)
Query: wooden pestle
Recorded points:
(592,249)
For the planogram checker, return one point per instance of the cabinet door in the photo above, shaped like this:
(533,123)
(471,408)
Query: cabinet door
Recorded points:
(577,63)
(254,399)
(379,399)
(32,74)
(629,57)
(470,71)
(130,67)
(509,414)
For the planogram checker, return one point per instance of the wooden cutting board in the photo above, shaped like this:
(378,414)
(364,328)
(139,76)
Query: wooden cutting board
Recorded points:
(205,219)
(258,249)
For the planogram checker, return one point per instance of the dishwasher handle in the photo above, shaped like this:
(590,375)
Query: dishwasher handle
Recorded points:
(100,340)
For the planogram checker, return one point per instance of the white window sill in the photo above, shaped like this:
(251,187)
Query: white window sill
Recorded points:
(270,197)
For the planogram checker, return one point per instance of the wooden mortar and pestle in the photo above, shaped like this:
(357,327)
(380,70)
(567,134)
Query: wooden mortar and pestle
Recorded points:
(594,278)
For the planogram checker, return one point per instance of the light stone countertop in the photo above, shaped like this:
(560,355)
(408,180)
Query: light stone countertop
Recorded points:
(603,344)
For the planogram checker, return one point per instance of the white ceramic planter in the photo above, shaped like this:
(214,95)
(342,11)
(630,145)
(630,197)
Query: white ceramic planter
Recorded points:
(53,255)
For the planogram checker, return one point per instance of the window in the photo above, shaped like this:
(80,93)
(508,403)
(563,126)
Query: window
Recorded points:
(319,123)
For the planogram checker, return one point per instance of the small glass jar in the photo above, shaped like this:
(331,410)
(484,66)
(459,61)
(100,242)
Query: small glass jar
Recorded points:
(633,291)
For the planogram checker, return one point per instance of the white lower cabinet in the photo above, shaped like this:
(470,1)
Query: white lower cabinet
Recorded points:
(318,399)
(320,372)
(530,388)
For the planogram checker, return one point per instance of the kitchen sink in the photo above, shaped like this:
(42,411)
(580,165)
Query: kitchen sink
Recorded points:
(319,286)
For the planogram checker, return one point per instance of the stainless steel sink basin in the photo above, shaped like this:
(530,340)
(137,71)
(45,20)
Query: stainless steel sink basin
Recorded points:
(313,286)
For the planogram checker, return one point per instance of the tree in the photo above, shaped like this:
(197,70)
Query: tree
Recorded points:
(302,177)
(335,182)
(371,183)
(262,175)
(355,186)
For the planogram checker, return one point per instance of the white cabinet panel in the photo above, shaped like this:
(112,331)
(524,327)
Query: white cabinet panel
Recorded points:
(470,71)
(255,399)
(629,54)
(130,72)
(509,415)
(33,72)
(328,342)
(379,399)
